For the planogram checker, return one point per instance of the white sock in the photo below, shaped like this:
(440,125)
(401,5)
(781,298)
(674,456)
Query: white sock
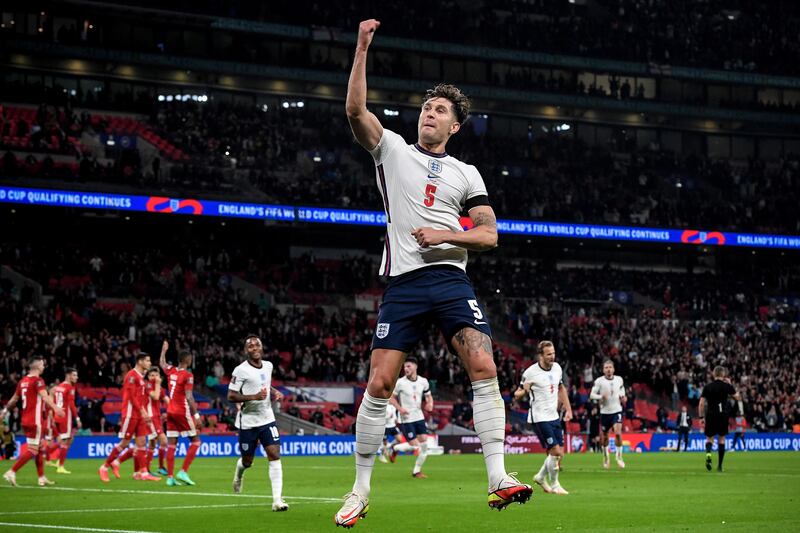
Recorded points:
(618,446)
(423,454)
(369,436)
(552,469)
(605,453)
(543,470)
(403,447)
(276,478)
(489,415)
(240,468)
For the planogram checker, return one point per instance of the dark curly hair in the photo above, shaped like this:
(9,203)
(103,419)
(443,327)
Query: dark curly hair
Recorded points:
(457,98)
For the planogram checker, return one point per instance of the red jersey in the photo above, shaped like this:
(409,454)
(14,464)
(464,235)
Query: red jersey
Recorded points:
(180,381)
(134,394)
(33,404)
(155,405)
(64,397)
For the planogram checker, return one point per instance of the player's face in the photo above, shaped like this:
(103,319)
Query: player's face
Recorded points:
(38,366)
(254,349)
(72,378)
(608,370)
(144,362)
(548,355)
(410,369)
(152,376)
(437,121)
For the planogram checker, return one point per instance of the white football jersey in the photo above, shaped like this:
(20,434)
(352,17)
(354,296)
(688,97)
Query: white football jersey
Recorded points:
(543,396)
(410,394)
(248,379)
(613,388)
(391,416)
(421,189)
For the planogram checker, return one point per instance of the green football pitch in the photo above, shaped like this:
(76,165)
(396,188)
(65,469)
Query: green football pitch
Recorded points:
(656,492)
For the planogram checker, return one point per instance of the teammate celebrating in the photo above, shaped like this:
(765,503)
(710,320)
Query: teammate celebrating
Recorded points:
(544,386)
(412,395)
(33,393)
(713,411)
(609,390)
(181,414)
(64,397)
(135,423)
(251,385)
(156,397)
(424,191)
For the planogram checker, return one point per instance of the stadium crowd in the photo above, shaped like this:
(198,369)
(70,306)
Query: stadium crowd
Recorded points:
(715,34)
(306,155)
(190,299)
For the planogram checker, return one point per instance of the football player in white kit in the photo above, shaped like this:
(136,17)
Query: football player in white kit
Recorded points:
(544,386)
(412,395)
(387,452)
(251,385)
(609,390)
(424,191)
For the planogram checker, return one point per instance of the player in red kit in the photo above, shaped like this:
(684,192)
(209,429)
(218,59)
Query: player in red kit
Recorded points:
(135,423)
(182,414)
(33,393)
(157,398)
(64,397)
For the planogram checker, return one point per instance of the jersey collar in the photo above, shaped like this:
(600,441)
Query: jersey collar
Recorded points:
(254,366)
(428,153)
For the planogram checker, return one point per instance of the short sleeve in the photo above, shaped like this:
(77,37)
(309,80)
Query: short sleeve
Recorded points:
(704,394)
(389,141)
(475,185)
(396,390)
(427,389)
(189,383)
(731,389)
(237,382)
(40,385)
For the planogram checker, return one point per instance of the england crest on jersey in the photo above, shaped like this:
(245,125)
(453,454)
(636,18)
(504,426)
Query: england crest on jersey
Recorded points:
(434,166)
(382,331)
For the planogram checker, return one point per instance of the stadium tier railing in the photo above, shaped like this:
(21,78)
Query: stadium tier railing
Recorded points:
(395,84)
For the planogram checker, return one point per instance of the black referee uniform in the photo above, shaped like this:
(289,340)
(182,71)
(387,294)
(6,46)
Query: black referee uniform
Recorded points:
(716,396)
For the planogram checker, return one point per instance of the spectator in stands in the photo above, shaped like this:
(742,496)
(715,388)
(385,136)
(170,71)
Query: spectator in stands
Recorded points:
(7,442)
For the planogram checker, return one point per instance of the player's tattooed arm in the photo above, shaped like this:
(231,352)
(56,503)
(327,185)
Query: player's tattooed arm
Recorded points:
(482,237)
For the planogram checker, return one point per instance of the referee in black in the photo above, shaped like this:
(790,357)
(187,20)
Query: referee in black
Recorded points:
(713,410)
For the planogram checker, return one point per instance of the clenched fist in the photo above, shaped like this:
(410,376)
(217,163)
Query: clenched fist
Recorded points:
(366,30)
(430,237)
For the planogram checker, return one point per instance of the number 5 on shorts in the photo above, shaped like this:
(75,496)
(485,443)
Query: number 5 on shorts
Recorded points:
(476,311)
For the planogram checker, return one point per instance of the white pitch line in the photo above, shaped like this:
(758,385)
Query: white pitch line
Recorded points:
(173,493)
(72,528)
(149,509)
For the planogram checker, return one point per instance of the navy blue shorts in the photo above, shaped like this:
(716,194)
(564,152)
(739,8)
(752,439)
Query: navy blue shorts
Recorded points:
(549,433)
(267,435)
(607,421)
(390,432)
(440,295)
(412,429)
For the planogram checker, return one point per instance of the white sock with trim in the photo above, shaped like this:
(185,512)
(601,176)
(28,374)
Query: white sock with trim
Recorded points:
(369,436)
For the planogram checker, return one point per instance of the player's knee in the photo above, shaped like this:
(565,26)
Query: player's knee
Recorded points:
(380,386)
(247,462)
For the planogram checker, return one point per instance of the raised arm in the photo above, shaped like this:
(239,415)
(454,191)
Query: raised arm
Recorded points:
(365,125)
(162,361)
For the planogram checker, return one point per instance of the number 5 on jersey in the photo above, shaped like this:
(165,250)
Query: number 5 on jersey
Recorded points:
(429,195)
